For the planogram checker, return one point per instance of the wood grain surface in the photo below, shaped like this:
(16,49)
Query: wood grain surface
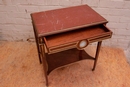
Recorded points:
(19,67)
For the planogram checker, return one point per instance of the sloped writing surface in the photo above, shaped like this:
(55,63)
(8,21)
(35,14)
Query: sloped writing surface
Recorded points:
(65,19)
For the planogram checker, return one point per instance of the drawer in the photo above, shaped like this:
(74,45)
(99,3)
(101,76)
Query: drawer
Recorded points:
(68,40)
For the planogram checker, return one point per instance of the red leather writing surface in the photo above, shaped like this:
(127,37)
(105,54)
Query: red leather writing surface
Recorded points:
(65,19)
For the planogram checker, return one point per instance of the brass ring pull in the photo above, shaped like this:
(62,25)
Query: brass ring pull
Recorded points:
(82,44)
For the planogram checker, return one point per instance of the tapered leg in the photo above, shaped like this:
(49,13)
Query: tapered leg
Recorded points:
(45,66)
(97,54)
(39,51)
(37,43)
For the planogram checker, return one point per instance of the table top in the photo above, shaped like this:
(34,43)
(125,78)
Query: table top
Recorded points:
(65,19)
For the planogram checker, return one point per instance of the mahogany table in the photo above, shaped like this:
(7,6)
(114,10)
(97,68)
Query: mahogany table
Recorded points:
(61,35)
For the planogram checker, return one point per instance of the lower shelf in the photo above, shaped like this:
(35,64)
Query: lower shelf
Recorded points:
(65,57)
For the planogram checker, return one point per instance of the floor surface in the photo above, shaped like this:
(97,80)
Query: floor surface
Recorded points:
(19,67)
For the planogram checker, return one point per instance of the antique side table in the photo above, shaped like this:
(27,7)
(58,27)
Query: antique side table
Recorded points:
(61,35)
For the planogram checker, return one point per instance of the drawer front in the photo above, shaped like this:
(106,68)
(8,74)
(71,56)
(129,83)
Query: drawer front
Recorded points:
(62,47)
(77,39)
(74,45)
